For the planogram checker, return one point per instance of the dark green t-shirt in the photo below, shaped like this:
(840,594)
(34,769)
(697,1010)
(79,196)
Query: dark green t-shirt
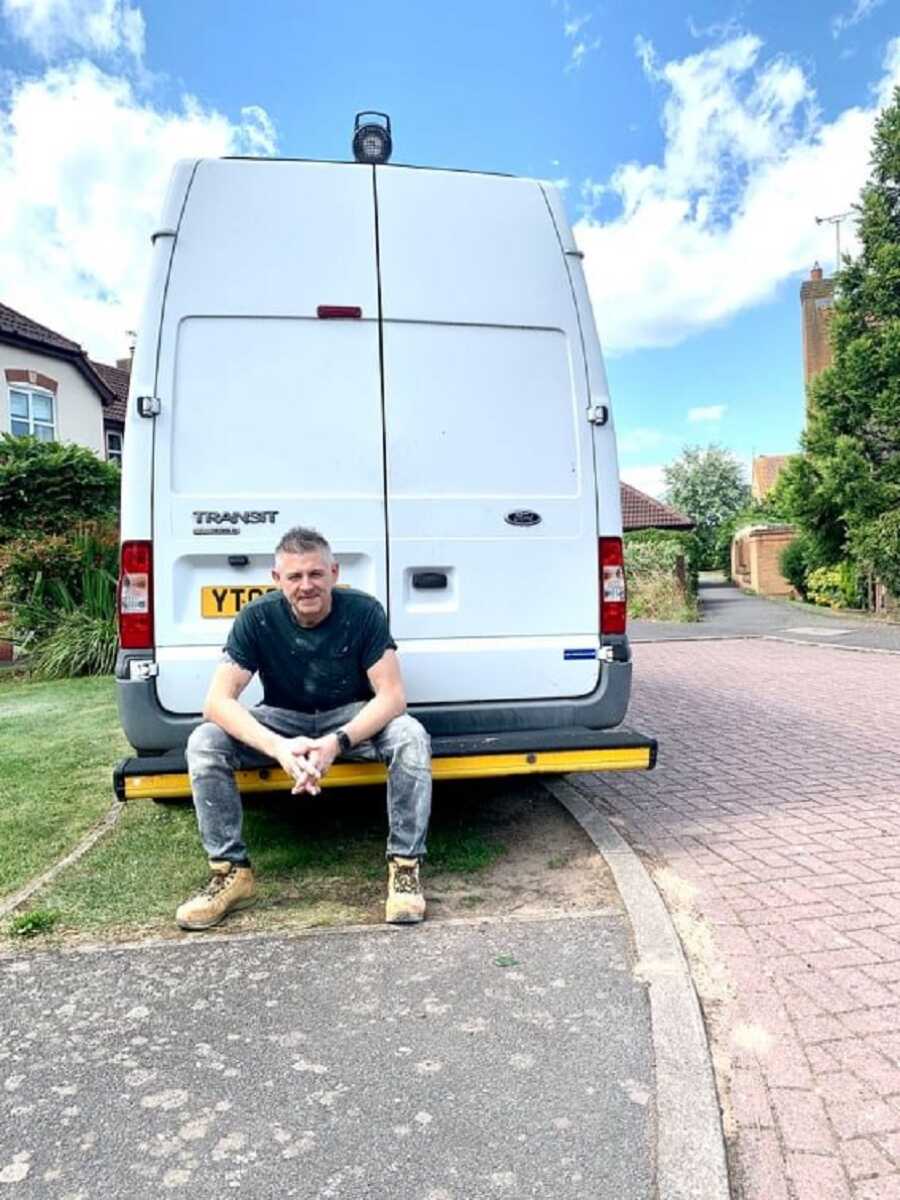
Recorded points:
(311,670)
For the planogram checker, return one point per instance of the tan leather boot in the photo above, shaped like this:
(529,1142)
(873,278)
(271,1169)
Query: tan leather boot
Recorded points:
(405,901)
(230,887)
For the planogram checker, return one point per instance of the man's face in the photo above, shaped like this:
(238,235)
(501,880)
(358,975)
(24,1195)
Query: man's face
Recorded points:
(307,581)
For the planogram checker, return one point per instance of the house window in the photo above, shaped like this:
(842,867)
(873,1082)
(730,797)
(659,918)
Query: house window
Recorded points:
(31,412)
(114,447)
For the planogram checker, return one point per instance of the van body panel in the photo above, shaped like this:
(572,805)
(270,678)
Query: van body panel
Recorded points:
(490,478)
(270,416)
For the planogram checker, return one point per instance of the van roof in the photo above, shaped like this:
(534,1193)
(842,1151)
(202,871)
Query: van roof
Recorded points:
(340,162)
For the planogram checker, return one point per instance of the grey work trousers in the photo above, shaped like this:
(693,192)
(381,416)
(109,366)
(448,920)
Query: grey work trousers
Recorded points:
(403,745)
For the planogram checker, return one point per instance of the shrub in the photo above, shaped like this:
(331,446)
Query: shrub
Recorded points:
(877,546)
(836,586)
(658,596)
(652,551)
(79,643)
(58,558)
(796,561)
(66,618)
(49,486)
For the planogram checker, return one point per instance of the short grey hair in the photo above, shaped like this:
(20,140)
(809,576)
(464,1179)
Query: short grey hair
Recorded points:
(302,540)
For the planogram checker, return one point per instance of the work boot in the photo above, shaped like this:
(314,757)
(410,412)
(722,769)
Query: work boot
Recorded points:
(230,887)
(405,901)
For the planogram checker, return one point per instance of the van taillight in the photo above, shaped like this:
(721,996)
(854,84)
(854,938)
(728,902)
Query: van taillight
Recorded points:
(612,586)
(136,596)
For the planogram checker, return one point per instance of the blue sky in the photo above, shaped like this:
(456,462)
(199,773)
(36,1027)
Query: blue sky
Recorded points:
(694,144)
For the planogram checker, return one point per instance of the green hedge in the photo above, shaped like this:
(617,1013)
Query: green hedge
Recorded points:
(49,487)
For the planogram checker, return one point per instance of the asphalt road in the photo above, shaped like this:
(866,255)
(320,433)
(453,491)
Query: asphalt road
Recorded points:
(726,611)
(448,1062)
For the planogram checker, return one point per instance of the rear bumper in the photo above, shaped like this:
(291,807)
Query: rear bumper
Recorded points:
(535,752)
(151,729)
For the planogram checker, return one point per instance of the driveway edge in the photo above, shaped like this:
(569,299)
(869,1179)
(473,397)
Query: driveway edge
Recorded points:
(691,1162)
(107,821)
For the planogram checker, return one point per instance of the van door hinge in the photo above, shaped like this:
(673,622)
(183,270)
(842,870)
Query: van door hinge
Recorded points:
(143,669)
(149,406)
(607,654)
(598,414)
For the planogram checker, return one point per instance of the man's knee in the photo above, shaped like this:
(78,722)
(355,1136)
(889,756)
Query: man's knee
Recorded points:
(409,738)
(208,746)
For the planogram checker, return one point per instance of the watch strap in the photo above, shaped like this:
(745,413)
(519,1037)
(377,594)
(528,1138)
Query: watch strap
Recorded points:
(343,740)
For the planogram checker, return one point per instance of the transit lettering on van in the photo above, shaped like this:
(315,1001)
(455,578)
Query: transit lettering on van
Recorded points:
(443,438)
(233,518)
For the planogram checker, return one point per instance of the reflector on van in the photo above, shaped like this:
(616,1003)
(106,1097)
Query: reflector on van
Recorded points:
(336,311)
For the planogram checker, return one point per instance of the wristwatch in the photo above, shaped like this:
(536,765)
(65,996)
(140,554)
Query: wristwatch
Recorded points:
(343,740)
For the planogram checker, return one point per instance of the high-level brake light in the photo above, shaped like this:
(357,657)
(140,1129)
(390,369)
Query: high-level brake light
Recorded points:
(136,596)
(612,586)
(372,142)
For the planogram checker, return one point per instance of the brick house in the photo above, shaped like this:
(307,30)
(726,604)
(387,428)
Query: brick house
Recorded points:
(49,388)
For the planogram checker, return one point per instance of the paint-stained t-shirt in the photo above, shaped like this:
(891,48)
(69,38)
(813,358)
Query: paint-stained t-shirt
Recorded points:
(311,670)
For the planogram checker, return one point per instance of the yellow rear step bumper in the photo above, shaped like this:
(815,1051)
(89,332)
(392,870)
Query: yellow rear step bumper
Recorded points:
(171,786)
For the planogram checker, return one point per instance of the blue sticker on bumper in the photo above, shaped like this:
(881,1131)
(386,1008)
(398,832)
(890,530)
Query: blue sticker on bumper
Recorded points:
(586,653)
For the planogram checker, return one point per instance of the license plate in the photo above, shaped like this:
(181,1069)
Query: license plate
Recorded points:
(227,601)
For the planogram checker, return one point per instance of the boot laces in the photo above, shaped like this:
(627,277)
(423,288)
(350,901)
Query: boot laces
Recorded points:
(406,879)
(217,882)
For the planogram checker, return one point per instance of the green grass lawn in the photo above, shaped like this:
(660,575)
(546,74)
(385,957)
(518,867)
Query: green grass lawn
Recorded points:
(319,861)
(58,744)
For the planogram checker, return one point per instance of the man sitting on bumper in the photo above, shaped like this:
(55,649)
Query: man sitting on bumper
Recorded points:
(331,687)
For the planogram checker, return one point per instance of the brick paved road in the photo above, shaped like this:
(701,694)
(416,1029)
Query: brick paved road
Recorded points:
(778,798)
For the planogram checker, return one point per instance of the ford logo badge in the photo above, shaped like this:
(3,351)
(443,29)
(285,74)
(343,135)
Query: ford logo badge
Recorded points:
(523,516)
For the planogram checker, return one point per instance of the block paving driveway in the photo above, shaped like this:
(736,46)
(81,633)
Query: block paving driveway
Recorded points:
(776,808)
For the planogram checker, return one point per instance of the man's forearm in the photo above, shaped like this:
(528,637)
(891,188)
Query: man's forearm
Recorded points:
(231,716)
(370,720)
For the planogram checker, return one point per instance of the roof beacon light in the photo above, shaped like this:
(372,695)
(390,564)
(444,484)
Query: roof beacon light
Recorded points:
(372,141)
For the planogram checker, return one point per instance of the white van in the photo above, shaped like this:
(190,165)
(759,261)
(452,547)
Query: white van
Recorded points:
(405,359)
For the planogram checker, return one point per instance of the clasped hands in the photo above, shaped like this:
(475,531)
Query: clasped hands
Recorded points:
(306,761)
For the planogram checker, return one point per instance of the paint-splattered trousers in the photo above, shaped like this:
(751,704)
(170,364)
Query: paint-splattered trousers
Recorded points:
(403,746)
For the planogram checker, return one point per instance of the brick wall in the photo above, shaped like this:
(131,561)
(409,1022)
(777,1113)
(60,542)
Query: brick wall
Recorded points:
(755,554)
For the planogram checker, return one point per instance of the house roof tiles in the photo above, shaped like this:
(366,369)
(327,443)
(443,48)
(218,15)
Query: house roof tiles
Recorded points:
(16,323)
(640,511)
(117,381)
(20,330)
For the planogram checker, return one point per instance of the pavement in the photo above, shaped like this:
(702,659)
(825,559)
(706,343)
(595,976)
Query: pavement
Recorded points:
(772,827)
(446,1062)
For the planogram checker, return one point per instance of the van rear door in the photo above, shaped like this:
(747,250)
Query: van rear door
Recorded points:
(270,412)
(490,479)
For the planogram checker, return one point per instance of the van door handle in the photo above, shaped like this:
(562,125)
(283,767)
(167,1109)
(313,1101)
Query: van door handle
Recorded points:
(429,579)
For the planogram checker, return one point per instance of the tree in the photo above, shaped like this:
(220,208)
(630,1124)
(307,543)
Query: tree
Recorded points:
(709,486)
(845,491)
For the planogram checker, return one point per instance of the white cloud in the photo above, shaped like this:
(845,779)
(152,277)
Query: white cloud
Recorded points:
(728,214)
(860,10)
(713,412)
(650,480)
(574,25)
(84,165)
(95,26)
(582,45)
